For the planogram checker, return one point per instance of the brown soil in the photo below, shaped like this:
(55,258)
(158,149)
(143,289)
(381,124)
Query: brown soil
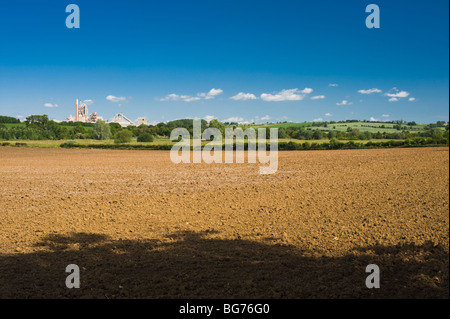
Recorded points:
(139,226)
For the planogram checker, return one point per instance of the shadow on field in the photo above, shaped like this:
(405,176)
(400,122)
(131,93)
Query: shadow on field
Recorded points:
(195,265)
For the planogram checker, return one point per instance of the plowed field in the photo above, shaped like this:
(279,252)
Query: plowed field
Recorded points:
(139,226)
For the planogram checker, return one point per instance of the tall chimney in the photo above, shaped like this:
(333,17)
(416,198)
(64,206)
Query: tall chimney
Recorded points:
(76,114)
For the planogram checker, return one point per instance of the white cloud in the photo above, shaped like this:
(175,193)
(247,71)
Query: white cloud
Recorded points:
(385,115)
(397,94)
(286,95)
(88,102)
(50,105)
(214,92)
(333,84)
(318,97)
(306,91)
(265,118)
(176,97)
(116,99)
(188,98)
(393,99)
(411,99)
(211,94)
(170,97)
(243,97)
(344,102)
(372,119)
(370,91)
(234,119)
(209,117)
(328,114)
(318,120)
(283,118)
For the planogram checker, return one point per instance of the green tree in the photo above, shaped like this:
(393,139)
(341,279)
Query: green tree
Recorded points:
(114,128)
(282,132)
(8,119)
(219,125)
(332,134)
(123,136)
(317,135)
(355,133)
(79,129)
(37,119)
(335,144)
(145,137)
(101,131)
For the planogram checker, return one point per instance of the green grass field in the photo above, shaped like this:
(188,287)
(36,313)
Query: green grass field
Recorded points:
(158,141)
(372,127)
(286,125)
(9,125)
(57,143)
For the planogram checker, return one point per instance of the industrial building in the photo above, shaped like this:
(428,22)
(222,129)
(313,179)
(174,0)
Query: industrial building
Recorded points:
(122,120)
(81,115)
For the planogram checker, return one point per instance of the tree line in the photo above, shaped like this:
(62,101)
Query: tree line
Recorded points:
(39,127)
(355,134)
(8,119)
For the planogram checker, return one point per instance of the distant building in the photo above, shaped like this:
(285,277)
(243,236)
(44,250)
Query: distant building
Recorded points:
(122,120)
(142,120)
(81,114)
(93,117)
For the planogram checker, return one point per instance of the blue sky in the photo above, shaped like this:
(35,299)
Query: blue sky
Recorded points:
(233,60)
